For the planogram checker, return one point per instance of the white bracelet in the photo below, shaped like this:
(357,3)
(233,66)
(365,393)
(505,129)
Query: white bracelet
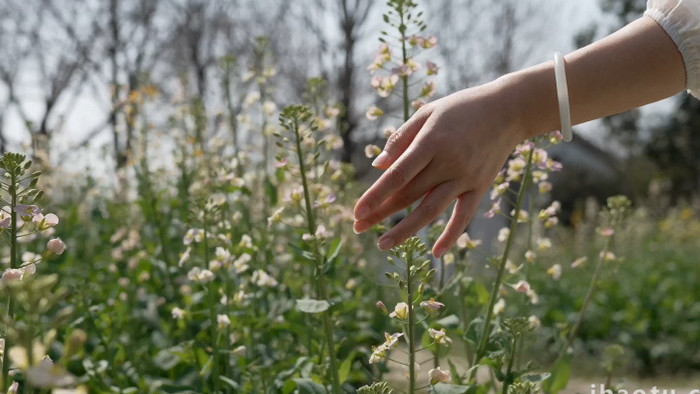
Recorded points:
(563,95)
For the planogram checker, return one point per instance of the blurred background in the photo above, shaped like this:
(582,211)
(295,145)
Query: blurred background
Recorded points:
(74,74)
(68,67)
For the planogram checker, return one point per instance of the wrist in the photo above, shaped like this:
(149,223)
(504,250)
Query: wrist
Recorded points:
(530,99)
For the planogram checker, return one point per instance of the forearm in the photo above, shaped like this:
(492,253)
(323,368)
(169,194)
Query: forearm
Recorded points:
(636,65)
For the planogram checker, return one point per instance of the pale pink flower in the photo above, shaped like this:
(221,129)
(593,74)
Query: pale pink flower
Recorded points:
(429,42)
(522,287)
(372,150)
(579,262)
(438,375)
(607,232)
(428,89)
(56,246)
(12,275)
(432,68)
(382,307)
(418,103)
(432,305)
(544,187)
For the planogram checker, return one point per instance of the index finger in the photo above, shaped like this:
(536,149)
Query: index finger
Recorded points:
(411,162)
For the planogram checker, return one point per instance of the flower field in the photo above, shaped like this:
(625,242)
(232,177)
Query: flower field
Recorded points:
(232,266)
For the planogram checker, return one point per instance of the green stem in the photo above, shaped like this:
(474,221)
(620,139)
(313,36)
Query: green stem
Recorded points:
(509,370)
(486,330)
(13,264)
(589,296)
(404,57)
(321,281)
(411,328)
(212,315)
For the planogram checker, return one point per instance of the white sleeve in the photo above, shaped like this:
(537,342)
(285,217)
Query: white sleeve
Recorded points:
(681,20)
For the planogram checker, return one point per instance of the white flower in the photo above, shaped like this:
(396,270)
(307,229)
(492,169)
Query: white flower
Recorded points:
(246,242)
(184,257)
(199,275)
(530,256)
(607,256)
(223,321)
(555,271)
(322,233)
(503,234)
(239,351)
(535,322)
(193,235)
(241,263)
(499,306)
(544,243)
(178,313)
(374,112)
(261,278)
(276,217)
(46,374)
(464,241)
(400,311)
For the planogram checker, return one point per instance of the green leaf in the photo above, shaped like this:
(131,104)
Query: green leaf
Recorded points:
(334,249)
(483,294)
(344,370)
(561,373)
(456,377)
(312,306)
(229,382)
(166,359)
(540,377)
(308,386)
(271,191)
(444,388)
(376,388)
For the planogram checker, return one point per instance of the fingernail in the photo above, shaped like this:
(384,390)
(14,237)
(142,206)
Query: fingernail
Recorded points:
(362,212)
(360,226)
(385,243)
(381,159)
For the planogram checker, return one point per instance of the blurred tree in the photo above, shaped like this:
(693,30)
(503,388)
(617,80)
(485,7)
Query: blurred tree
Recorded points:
(57,42)
(349,16)
(675,148)
(675,145)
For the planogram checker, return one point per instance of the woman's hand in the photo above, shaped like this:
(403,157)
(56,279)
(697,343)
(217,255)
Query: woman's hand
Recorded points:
(451,149)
